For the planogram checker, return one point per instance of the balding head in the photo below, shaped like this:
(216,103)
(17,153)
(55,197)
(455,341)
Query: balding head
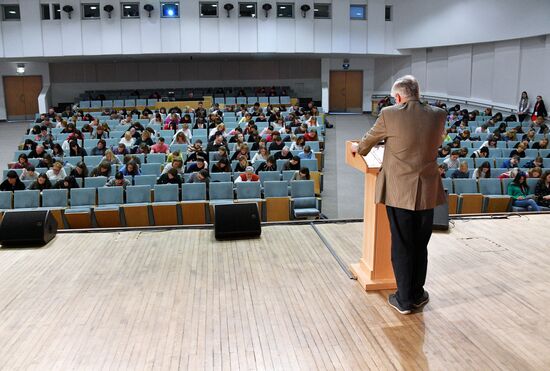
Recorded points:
(405,88)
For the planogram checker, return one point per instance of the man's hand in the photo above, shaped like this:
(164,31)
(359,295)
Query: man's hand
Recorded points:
(354,148)
(546,197)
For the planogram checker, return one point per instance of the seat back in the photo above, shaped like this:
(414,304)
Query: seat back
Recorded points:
(95,182)
(138,194)
(302,188)
(92,161)
(166,192)
(110,196)
(5,200)
(220,177)
(26,199)
(490,186)
(269,176)
(465,186)
(156,158)
(447,184)
(221,191)
(311,164)
(275,189)
(248,190)
(193,192)
(54,198)
(83,197)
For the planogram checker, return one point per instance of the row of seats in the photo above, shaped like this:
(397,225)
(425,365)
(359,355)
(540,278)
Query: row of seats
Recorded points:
(495,162)
(468,196)
(165,205)
(495,172)
(502,145)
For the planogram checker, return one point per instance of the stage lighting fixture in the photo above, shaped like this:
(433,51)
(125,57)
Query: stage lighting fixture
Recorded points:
(108,9)
(267,8)
(305,8)
(170,10)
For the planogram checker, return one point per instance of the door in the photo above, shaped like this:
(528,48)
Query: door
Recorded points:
(346,91)
(21,94)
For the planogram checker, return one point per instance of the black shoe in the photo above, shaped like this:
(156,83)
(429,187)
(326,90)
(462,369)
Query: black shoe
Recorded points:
(392,300)
(423,300)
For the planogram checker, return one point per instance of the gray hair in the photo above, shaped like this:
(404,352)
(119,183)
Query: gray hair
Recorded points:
(406,86)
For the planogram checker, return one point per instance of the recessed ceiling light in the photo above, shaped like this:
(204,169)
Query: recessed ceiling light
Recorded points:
(283,7)
(127,7)
(214,5)
(93,7)
(250,6)
(13,12)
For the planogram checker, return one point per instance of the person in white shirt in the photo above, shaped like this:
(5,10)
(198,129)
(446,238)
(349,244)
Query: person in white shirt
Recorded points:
(128,140)
(261,155)
(481,129)
(56,173)
(185,130)
(452,161)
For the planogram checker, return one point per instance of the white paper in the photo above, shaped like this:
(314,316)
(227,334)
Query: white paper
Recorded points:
(374,157)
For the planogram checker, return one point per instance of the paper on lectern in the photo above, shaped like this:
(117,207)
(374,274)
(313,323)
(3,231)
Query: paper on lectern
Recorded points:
(375,156)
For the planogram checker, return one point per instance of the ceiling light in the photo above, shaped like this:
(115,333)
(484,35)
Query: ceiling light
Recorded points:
(127,7)
(214,5)
(20,68)
(282,7)
(93,7)
(250,6)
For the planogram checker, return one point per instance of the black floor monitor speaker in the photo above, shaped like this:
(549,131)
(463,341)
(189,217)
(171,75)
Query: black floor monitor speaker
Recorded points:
(30,228)
(441,216)
(240,220)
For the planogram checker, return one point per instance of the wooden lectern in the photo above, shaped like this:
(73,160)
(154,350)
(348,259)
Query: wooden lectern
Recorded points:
(374,271)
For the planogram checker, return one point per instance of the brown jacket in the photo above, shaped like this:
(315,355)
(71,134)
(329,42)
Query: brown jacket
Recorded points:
(409,178)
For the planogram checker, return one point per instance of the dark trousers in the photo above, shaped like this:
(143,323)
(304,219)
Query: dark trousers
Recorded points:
(410,234)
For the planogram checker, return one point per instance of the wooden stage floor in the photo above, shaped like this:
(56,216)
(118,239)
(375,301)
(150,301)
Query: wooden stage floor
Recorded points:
(181,300)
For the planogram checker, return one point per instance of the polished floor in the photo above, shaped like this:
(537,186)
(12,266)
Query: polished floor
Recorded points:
(180,300)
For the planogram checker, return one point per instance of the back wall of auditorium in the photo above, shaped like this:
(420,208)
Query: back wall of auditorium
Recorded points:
(481,51)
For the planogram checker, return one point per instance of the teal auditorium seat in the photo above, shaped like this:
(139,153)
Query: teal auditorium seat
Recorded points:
(194,204)
(136,208)
(146,180)
(95,182)
(304,202)
(165,211)
(221,193)
(220,177)
(79,215)
(5,200)
(275,189)
(249,191)
(28,199)
(106,212)
(269,176)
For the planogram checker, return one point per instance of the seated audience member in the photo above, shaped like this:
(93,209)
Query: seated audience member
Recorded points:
(200,177)
(12,182)
(481,129)
(519,151)
(56,173)
(216,143)
(99,149)
(120,149)
(277,143)
(57,151)
(128,140)
(37,152)
(534,173)
(118,181)
(160,147)
(177,164)
(29,174)
(103,169)
(170,177)
(80,170)
(284,154)
(443,151)
(483,171)
(100,133)
(462,172)
(462,152)
(519,191)
(144,138)
(194,151)
(180,138)
(110,158)
(47,161)
(292,164)
(452,161)
(247,176)
(130,169)
(483,152)
(261,155)
(511,162)
(242,165)
(298,145)
(269,165)
(76,150)
(442,168)
(198,165)
(537,162)
(311,136)
(185,130)
(541,144)
(307,153)
(542,190)
(243,151)
(41,183)
(222,166)
(302,174)
(68,182)
(22,162)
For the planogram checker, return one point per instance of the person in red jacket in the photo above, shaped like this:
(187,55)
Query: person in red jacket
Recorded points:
(247,176)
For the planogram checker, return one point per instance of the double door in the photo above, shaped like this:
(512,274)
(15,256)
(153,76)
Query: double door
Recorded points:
(21,93)
(346,91)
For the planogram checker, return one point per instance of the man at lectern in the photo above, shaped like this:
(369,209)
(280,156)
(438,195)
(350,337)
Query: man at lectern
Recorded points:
(409,185)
